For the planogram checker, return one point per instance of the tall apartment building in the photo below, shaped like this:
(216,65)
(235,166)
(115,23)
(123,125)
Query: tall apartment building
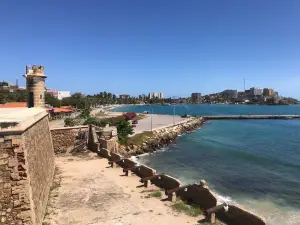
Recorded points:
(268,92)
(230,94)
(256,91)
(196,98)
(154,95)
(124,99)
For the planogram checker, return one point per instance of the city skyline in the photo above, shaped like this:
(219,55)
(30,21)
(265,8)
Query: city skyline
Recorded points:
(136,47)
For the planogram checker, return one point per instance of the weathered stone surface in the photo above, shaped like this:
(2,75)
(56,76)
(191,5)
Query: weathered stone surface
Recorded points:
(4,156)
(15,176)
(17,203)
(3,161)
(26,158)
(38,145)
(12,162)
(3,219)
(64,139)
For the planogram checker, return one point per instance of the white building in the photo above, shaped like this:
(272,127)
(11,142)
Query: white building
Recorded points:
(256,91)
(153,95)
(63,94)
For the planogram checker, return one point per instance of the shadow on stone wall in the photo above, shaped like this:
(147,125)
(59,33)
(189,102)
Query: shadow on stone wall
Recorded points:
(67,138)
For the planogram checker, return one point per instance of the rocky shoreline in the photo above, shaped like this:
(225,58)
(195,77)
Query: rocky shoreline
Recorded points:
(162,138)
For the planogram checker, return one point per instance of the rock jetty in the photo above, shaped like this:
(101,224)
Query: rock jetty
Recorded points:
(162,137)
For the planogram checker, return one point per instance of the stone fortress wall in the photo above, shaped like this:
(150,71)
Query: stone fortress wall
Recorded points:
(26,173)
(64,139)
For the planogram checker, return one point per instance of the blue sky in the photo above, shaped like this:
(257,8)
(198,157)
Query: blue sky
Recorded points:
(141,46)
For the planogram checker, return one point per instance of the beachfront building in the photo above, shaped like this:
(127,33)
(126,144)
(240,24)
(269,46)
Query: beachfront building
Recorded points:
(142,97)
(6,86)
(58,94)
(124,98)
(156,95)
(196,98)
(268,92)
(230,94)
(52,92)
(256,91)
(63,94)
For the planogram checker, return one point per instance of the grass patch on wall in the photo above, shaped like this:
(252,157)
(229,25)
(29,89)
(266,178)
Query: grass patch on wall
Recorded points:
(138,139)
(156,194)
(152,193)
(191,210)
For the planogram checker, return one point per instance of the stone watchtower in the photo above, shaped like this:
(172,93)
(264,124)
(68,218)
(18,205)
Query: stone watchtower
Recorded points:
(35,85)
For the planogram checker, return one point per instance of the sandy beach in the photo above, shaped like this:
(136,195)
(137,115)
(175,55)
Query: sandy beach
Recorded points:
(88,192)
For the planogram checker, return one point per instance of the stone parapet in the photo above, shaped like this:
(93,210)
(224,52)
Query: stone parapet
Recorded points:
(64,139)
(26,171)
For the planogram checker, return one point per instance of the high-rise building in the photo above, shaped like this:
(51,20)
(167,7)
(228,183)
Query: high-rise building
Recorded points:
(124,99)
(196,98)
(256,91)
(268,92)
(154,95)
(230,94)
(161,95)
(142,97)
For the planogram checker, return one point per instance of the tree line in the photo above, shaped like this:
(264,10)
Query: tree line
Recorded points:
(77,100)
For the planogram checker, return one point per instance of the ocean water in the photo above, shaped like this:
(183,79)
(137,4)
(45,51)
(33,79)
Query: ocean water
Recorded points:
(214,109)
(255,163)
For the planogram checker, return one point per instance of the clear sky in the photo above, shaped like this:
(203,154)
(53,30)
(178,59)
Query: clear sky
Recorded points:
(141,46)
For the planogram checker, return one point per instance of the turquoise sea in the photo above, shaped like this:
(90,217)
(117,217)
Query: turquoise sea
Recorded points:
(255,163)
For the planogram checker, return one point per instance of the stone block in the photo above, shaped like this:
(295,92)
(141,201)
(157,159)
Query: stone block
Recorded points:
(7,185)
(24,215)
(16,141)
(19,150)
(3,161)
(12,162)
(15,176)
(21,182)
(3,219)
(4,156)
(17,203)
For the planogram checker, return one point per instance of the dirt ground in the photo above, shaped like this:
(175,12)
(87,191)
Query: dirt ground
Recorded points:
(87,192)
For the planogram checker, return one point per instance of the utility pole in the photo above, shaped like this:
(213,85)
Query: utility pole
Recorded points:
(174,111)
(244,84)
(151,117)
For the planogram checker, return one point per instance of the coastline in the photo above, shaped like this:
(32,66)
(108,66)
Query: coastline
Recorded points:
(161,137)
(268,207)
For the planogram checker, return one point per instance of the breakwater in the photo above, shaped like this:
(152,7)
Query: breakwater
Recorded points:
(241,117)
(162,137)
